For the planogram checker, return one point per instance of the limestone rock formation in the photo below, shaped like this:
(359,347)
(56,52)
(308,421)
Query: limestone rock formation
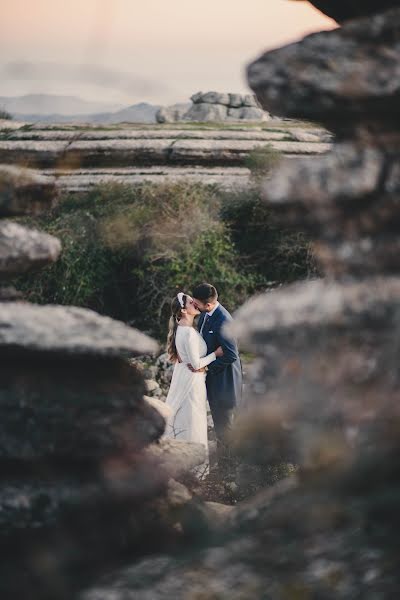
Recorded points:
(215,106)
(349,87)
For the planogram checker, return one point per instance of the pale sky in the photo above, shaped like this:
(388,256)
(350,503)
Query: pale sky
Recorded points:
(127,51)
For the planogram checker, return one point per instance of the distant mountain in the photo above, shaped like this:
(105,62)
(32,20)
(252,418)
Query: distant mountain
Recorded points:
(137,113)
(48,104)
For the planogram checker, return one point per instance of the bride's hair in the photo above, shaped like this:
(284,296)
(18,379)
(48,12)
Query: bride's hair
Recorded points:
(176,310)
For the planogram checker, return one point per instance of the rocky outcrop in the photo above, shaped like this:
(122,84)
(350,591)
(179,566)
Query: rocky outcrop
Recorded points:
(172,151)
(342,89)
(216,107)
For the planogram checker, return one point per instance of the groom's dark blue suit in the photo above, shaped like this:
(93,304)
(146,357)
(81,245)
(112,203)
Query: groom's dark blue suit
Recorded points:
(224,376)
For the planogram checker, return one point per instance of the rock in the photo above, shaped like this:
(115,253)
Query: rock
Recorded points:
(76,410)
(172,114)
(247,113)
(23,249)
(254,114)
(177,494)
(235,114)
(177,457)
(197,98)
(358,207)
(151,385)
(342,10)
(9,293)
(250,100)
(24,191)
(159,405)
(235,100)
(341,89)
(67,331)
(205,112)
(215,98)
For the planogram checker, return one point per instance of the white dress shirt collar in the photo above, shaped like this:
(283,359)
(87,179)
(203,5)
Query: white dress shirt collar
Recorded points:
(210,314)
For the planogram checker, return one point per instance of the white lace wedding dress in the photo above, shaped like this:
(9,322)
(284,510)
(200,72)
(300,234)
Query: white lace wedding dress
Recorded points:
(187,396)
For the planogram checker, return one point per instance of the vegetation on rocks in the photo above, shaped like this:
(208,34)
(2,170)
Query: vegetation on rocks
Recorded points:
(126,251)
(5,115)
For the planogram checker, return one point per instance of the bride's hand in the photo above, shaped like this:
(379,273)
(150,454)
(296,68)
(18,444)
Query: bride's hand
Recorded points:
(219,352)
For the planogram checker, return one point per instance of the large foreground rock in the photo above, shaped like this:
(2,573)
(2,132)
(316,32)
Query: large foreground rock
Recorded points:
(73,410)
(354,192)
(342,89)
(68,331)
(23,249)
(327,370)
(23,191)
(341,10)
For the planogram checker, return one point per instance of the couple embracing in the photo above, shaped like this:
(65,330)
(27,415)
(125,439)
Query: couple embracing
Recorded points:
(207,366)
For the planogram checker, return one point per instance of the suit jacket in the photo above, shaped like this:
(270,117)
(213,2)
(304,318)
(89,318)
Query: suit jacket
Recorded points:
(224,377)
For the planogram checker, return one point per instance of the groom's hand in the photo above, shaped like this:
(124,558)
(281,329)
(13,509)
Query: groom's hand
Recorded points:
(202,370)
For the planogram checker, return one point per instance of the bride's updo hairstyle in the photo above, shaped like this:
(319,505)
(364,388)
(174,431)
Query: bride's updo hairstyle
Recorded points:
(177,304)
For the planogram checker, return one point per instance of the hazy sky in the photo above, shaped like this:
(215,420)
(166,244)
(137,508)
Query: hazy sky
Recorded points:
(141,50)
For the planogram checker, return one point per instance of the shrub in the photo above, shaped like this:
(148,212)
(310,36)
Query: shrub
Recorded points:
(273,254)
(5,115)
(262,160)
(126,251)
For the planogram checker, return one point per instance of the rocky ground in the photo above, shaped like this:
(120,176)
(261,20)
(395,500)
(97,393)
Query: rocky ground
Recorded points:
(78,158)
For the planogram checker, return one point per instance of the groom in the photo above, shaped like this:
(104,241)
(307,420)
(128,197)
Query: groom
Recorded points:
(224,375)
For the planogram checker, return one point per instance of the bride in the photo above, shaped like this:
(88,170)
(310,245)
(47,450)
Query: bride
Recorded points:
(187,396)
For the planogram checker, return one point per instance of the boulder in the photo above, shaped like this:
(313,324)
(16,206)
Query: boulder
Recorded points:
(172,114)
(341,10)
(197,98)
(254,114)
(204,112)
(9,294)
(23,249)
(235,100)
(177,457)
(341,89)
(250,100)
(24,191)
(320,340)
(235,114)
(72,410)
(358,206)
(159,405)
(215,98)
(67,331)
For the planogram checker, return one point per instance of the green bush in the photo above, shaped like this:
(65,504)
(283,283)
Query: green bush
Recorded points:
(5,115)
(127,251)
(263,160)
(273,254)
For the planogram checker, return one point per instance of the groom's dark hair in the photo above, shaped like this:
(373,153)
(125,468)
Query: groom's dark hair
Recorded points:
(205,292)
